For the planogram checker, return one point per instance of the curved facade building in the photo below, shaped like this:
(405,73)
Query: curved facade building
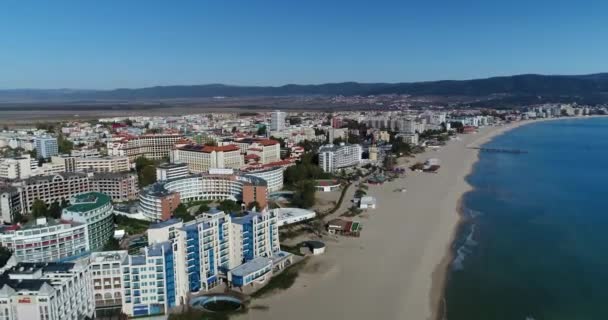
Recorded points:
(46,240)
(95,210)
(218,184)
(273,177)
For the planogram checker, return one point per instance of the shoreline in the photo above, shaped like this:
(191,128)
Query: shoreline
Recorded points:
(399,265)
(440,274)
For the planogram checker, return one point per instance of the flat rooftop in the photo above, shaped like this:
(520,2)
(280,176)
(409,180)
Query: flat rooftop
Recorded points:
(89,201)
(251,266)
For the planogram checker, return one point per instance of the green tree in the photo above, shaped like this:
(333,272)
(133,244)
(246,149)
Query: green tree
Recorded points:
(252,205)
(65,203)
(111,245)
(360,193)
(181,212)
(147,176)
(18,218)
(142,162)
(304,196)
(202,208)
(229,206)
(54,210)
(64,145)
(39,209)
(146,171)
(5,254)
(261,131)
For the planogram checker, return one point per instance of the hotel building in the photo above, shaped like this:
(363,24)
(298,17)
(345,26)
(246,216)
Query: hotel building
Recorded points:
(93,209)
(273,177)
(46,147)
(10,203)
(106,274)
(157,203)
(119,187)
(218,184)
(49,291)
(213,245)
(103,164)
(16,168)
(149,282)
(333,157)
(202,158)
(51,188)
(207,243)
(157,146)
(46,240)
(277,121)
(169,171)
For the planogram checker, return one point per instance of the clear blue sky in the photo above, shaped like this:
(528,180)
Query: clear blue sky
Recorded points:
(112,44)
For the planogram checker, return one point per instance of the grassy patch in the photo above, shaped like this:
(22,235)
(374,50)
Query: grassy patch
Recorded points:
(131,226)
(282,281)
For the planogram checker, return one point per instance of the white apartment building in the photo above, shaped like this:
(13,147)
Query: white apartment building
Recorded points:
(51,188)
(48,291)
(410,138)
(333,157)
(266,150)
(202,158)
(46,147)
(50,168)
(106,275)
(16,168)
(46,240)
(273,177)
(95,210)
(169,171)
(149,282)
(119,187)
(255,235)
(277,121)
(103,164)
(10,203)
(153,147)
(85,153)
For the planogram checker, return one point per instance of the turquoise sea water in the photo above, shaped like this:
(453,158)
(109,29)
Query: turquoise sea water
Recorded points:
(535,244)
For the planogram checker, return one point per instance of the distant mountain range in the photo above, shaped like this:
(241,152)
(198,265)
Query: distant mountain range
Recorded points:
(593,87)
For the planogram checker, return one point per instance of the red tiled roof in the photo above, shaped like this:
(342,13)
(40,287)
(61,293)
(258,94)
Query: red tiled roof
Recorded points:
(209,149)
(230,147)
(252,156)
(255,149)
(267,142)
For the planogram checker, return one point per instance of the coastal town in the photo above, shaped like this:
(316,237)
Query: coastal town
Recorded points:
(242,212)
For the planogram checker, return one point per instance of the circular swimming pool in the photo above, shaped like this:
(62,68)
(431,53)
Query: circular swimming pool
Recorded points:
(217,303)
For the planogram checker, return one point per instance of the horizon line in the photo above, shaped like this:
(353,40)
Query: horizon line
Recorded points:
(300,84)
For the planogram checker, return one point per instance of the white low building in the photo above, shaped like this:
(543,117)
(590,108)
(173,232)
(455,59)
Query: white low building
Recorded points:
(293,215)
(367,202)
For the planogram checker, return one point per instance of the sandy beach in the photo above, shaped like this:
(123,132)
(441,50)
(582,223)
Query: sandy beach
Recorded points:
(396,269)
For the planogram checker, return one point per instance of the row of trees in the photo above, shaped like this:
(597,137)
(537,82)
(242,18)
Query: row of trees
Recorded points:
(146,171)
(40,209)
(306,169)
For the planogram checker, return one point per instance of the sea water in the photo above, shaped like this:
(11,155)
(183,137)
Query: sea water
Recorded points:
(534,244)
